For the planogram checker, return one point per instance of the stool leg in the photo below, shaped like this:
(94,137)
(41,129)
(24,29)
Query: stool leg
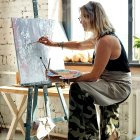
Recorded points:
(28,117)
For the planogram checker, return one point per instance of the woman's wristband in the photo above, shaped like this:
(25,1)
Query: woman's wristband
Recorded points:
(61,44)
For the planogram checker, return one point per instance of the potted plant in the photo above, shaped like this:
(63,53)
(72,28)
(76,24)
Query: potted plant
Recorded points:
(137,45)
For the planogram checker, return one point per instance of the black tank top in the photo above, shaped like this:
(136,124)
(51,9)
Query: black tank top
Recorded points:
(119,64)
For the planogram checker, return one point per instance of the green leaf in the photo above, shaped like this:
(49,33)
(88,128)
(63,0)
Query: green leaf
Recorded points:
(136,42)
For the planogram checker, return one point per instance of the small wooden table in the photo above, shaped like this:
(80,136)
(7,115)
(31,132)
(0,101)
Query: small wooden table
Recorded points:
(17,112)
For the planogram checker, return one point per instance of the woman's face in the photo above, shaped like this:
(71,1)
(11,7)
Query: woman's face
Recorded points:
(85,21)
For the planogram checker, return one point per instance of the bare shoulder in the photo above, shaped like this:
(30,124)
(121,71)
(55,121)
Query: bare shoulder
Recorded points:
(108,40)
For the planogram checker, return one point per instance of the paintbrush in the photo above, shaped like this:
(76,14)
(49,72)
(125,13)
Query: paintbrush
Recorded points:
(47,69)
(43,64)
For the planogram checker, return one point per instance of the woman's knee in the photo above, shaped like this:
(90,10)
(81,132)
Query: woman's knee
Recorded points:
(74,85)
(75,88)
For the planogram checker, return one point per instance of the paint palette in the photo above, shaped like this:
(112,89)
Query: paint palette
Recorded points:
(65,74)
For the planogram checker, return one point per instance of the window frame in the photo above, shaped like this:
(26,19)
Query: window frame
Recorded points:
(130,34)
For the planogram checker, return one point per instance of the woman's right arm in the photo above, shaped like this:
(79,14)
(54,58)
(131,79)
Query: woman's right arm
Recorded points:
(72,45)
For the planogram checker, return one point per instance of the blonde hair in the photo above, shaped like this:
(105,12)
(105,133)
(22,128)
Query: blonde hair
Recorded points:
(99,21)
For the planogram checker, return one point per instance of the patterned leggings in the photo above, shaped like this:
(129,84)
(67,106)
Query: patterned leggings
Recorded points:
(83,118)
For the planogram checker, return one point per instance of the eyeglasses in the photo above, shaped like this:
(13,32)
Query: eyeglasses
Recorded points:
(80,19)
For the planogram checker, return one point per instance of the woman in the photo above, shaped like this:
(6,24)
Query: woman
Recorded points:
(107,85)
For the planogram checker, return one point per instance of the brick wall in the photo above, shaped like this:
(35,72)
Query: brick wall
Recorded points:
(9,9)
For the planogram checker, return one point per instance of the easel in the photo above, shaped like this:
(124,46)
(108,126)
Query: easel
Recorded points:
(32,107)
(33,95)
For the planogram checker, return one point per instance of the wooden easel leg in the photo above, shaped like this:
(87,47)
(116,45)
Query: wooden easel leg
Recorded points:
(63,102)
(35,97)
(29,112)
(46,100)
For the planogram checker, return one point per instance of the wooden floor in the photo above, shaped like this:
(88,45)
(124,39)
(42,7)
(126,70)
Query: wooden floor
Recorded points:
(19,136)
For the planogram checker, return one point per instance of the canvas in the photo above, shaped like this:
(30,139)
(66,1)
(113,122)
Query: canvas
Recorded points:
(28,51)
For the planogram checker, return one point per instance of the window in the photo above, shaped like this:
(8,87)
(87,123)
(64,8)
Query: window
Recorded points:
(120,14)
